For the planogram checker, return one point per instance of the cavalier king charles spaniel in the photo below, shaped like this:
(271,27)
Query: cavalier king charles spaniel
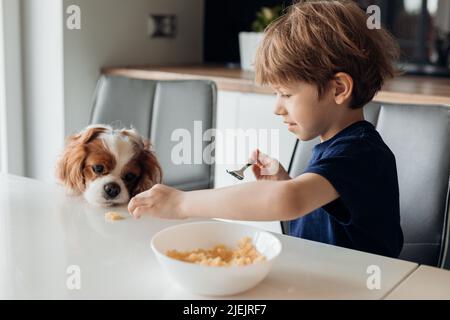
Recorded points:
(108,166)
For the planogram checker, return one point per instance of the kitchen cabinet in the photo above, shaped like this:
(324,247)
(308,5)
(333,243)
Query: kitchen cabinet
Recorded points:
(247,114)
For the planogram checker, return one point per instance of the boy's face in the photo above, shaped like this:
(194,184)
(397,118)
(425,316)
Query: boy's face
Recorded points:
(306,116)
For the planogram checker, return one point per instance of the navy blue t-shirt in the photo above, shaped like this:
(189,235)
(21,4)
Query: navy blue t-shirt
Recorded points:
(365,217)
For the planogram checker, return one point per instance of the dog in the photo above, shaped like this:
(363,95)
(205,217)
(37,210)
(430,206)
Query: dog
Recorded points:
(108,166)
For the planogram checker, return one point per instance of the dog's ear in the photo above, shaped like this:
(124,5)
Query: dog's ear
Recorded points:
(135,138)
(151,169)
(69,168)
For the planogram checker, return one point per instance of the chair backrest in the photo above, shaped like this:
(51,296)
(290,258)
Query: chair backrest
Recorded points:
(171,114)
(419,137)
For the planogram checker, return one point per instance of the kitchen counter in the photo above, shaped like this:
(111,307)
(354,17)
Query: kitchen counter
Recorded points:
(403,89)
(425,283)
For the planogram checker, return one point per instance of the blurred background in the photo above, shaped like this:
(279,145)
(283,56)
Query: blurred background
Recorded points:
(422,28)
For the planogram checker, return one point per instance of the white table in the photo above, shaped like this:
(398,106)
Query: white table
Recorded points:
(423,284)
(43,232)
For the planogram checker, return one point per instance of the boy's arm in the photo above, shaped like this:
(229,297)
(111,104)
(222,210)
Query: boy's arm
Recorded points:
(260,200)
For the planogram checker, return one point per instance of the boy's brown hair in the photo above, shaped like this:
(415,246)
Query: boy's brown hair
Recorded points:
(316,39)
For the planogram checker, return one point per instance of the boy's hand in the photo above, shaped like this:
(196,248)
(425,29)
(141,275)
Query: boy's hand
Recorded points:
(159,201)
(267,168)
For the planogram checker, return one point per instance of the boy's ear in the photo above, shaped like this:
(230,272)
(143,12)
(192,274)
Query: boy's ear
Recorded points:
(343,87)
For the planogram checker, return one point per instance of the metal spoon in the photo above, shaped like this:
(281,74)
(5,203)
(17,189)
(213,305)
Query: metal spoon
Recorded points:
(239,174)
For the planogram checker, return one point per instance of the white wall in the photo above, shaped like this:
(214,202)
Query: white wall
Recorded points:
(114,33)
(43,85)
(3,143)
(11,112)
(61,66)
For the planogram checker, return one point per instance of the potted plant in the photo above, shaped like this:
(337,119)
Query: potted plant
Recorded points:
(249,41)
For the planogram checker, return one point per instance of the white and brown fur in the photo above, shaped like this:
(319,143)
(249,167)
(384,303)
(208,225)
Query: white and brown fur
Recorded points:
(108,166)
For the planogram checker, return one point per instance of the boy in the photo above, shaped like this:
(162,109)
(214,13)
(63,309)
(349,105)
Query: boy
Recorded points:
(325,65)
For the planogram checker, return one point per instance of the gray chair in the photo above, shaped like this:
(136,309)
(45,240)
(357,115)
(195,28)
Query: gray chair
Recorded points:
(419,136)
(159,109)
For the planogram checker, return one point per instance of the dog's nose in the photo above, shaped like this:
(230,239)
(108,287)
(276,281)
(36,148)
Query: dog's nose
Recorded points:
(112,190)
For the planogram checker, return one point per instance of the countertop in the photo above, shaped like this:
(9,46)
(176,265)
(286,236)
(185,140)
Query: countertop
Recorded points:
(402,89)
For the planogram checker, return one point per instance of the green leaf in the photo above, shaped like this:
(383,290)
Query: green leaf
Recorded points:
(264,17)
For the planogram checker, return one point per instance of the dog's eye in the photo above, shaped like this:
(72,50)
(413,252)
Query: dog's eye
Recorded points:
(98,168)
(129,177)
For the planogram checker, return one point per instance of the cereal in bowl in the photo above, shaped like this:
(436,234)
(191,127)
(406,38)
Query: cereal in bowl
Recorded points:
(221,255)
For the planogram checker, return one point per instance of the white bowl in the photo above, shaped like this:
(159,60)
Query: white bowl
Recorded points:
(211,280)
